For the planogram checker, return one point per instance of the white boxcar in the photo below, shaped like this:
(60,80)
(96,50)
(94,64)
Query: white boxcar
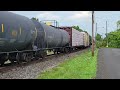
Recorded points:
(85,39)
(77,38)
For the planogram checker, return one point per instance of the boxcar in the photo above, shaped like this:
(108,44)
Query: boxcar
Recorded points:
(85,39)
(77,38)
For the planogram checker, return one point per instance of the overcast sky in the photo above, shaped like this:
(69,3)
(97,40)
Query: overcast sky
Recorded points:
(81,18)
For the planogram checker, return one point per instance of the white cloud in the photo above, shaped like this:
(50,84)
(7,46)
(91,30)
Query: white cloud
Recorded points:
(48,16)
(79,15)
(71,16)
(65,18)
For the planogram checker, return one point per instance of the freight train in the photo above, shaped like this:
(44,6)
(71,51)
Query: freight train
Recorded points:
(22,38)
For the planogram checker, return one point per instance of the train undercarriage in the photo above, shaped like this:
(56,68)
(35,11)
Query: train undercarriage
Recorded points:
(28,56)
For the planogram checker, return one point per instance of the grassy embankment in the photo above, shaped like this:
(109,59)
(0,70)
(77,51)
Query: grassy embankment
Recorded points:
(81,66)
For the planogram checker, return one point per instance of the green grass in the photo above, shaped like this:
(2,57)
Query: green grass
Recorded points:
(81,66)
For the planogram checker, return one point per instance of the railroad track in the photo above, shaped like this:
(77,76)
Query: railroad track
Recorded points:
(8,67)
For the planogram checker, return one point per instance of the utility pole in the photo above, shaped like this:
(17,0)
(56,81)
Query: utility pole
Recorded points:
(96,32)
(92,33)
(106,34)
(96,28)
(117,26)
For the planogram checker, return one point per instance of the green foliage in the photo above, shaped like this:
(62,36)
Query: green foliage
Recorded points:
(114,39)
(104,43)
(33,18)
(98,44)
(118,24)
(83,66)
(98,37)
(77,28)
(99,40)
(85,31)
(118,30)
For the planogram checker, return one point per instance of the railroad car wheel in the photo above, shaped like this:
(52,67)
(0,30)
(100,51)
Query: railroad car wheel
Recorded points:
(43,54)
(2,63)
(26,57)
(12,58)
(2,60)
(30,56)
(70,49)
(18,57)
(66,50)
(55,51)
(37,55)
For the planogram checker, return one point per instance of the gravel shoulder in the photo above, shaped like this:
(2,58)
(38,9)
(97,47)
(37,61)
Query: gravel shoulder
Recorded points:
(32,70)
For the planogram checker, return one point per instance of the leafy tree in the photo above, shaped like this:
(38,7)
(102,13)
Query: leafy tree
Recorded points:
(118,24)
(104,43)
(33,18)
(98,40)
(77,28)
(85,31)
(114,39)
(98,37)
(118,30)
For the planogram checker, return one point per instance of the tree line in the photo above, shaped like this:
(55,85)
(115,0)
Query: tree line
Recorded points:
(113,38)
